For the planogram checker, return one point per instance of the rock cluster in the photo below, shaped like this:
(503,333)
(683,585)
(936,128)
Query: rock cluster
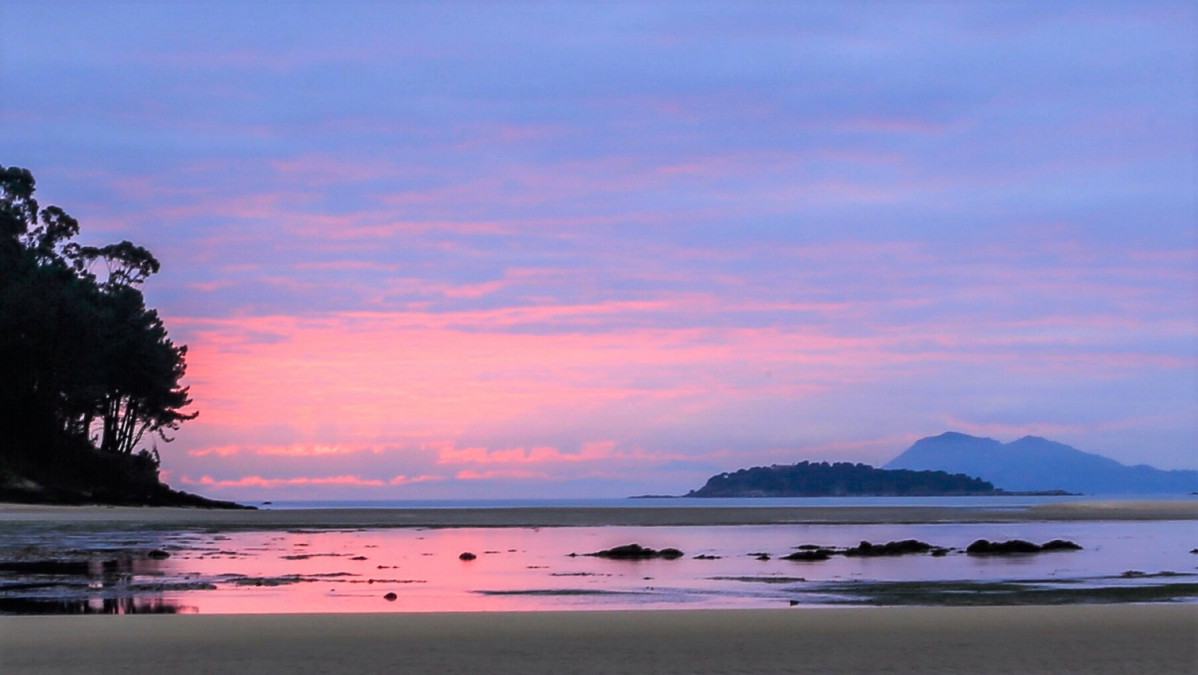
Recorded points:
(986,547)
(812,553)
(637,552)
(904,547)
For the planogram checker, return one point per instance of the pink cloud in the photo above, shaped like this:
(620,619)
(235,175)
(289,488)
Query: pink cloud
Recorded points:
(293,450)
(470,474)
(527,386)
(260,482)
(407,376)
(595,451)
(408,480)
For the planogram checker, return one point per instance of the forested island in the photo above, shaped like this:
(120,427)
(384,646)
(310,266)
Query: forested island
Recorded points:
(842,479)
(89,378)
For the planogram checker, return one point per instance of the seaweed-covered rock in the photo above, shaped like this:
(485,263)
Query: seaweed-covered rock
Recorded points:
(1061,545)
(904,547)
(986,547)
(810,555)
(637,552)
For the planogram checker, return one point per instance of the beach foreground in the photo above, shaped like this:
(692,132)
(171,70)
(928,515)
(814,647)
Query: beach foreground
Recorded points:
(1089,639)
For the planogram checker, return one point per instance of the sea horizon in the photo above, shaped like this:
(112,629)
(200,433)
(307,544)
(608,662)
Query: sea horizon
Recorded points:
(995,501)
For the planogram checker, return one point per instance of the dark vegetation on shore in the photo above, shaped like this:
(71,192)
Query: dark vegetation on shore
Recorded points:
(88,374)
(842,479)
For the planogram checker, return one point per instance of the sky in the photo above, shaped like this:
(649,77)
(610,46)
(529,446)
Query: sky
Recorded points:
(542,250)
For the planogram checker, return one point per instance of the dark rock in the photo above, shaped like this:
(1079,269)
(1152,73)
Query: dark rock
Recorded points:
(985,547)
(903,547)
(864,548)
(158,554)
(704,556)
(637,552)
(810,555)
(467,556)
(358,557)
(762,556)
(390,597)
(628,551)
(979,546)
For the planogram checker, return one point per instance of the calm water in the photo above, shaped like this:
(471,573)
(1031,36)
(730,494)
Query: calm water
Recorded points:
(1013,501)
(532,569)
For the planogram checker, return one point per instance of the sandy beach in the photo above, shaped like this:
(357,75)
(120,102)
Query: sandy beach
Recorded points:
(1086,638)
(632,515)
(1080,639)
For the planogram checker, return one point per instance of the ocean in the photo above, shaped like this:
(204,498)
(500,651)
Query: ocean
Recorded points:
(1014,501)
(549,568)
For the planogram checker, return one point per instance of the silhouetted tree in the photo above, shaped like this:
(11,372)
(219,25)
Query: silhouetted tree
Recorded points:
(81,358)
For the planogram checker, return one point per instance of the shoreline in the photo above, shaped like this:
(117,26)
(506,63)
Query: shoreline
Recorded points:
(585,516)
(1092,639)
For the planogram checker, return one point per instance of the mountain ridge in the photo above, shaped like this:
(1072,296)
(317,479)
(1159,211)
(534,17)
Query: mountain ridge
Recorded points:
(1034,463)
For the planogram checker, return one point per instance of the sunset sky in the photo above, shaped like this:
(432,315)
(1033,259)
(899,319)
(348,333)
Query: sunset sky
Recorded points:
(450,250)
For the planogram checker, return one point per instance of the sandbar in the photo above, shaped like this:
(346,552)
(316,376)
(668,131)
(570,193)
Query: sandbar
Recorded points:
(1092,639)
(169,517)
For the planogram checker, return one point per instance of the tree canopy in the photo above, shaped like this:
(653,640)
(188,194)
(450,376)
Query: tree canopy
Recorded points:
(85,366)
(842,479)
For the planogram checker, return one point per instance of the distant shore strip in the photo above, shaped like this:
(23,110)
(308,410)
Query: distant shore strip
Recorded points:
(594,516)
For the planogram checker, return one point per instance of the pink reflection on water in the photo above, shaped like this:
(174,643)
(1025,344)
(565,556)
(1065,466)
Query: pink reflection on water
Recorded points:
(353,571)
(532,569)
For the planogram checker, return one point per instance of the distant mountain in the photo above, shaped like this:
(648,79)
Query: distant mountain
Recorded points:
(1035,464)
(843,479)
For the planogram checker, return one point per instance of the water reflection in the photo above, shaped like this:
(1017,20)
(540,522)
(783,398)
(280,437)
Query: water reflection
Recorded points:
(118,605)
(74,572)
(49,570)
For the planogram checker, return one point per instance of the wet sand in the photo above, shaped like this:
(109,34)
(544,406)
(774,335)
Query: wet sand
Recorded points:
(1158,639)
(169,518)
